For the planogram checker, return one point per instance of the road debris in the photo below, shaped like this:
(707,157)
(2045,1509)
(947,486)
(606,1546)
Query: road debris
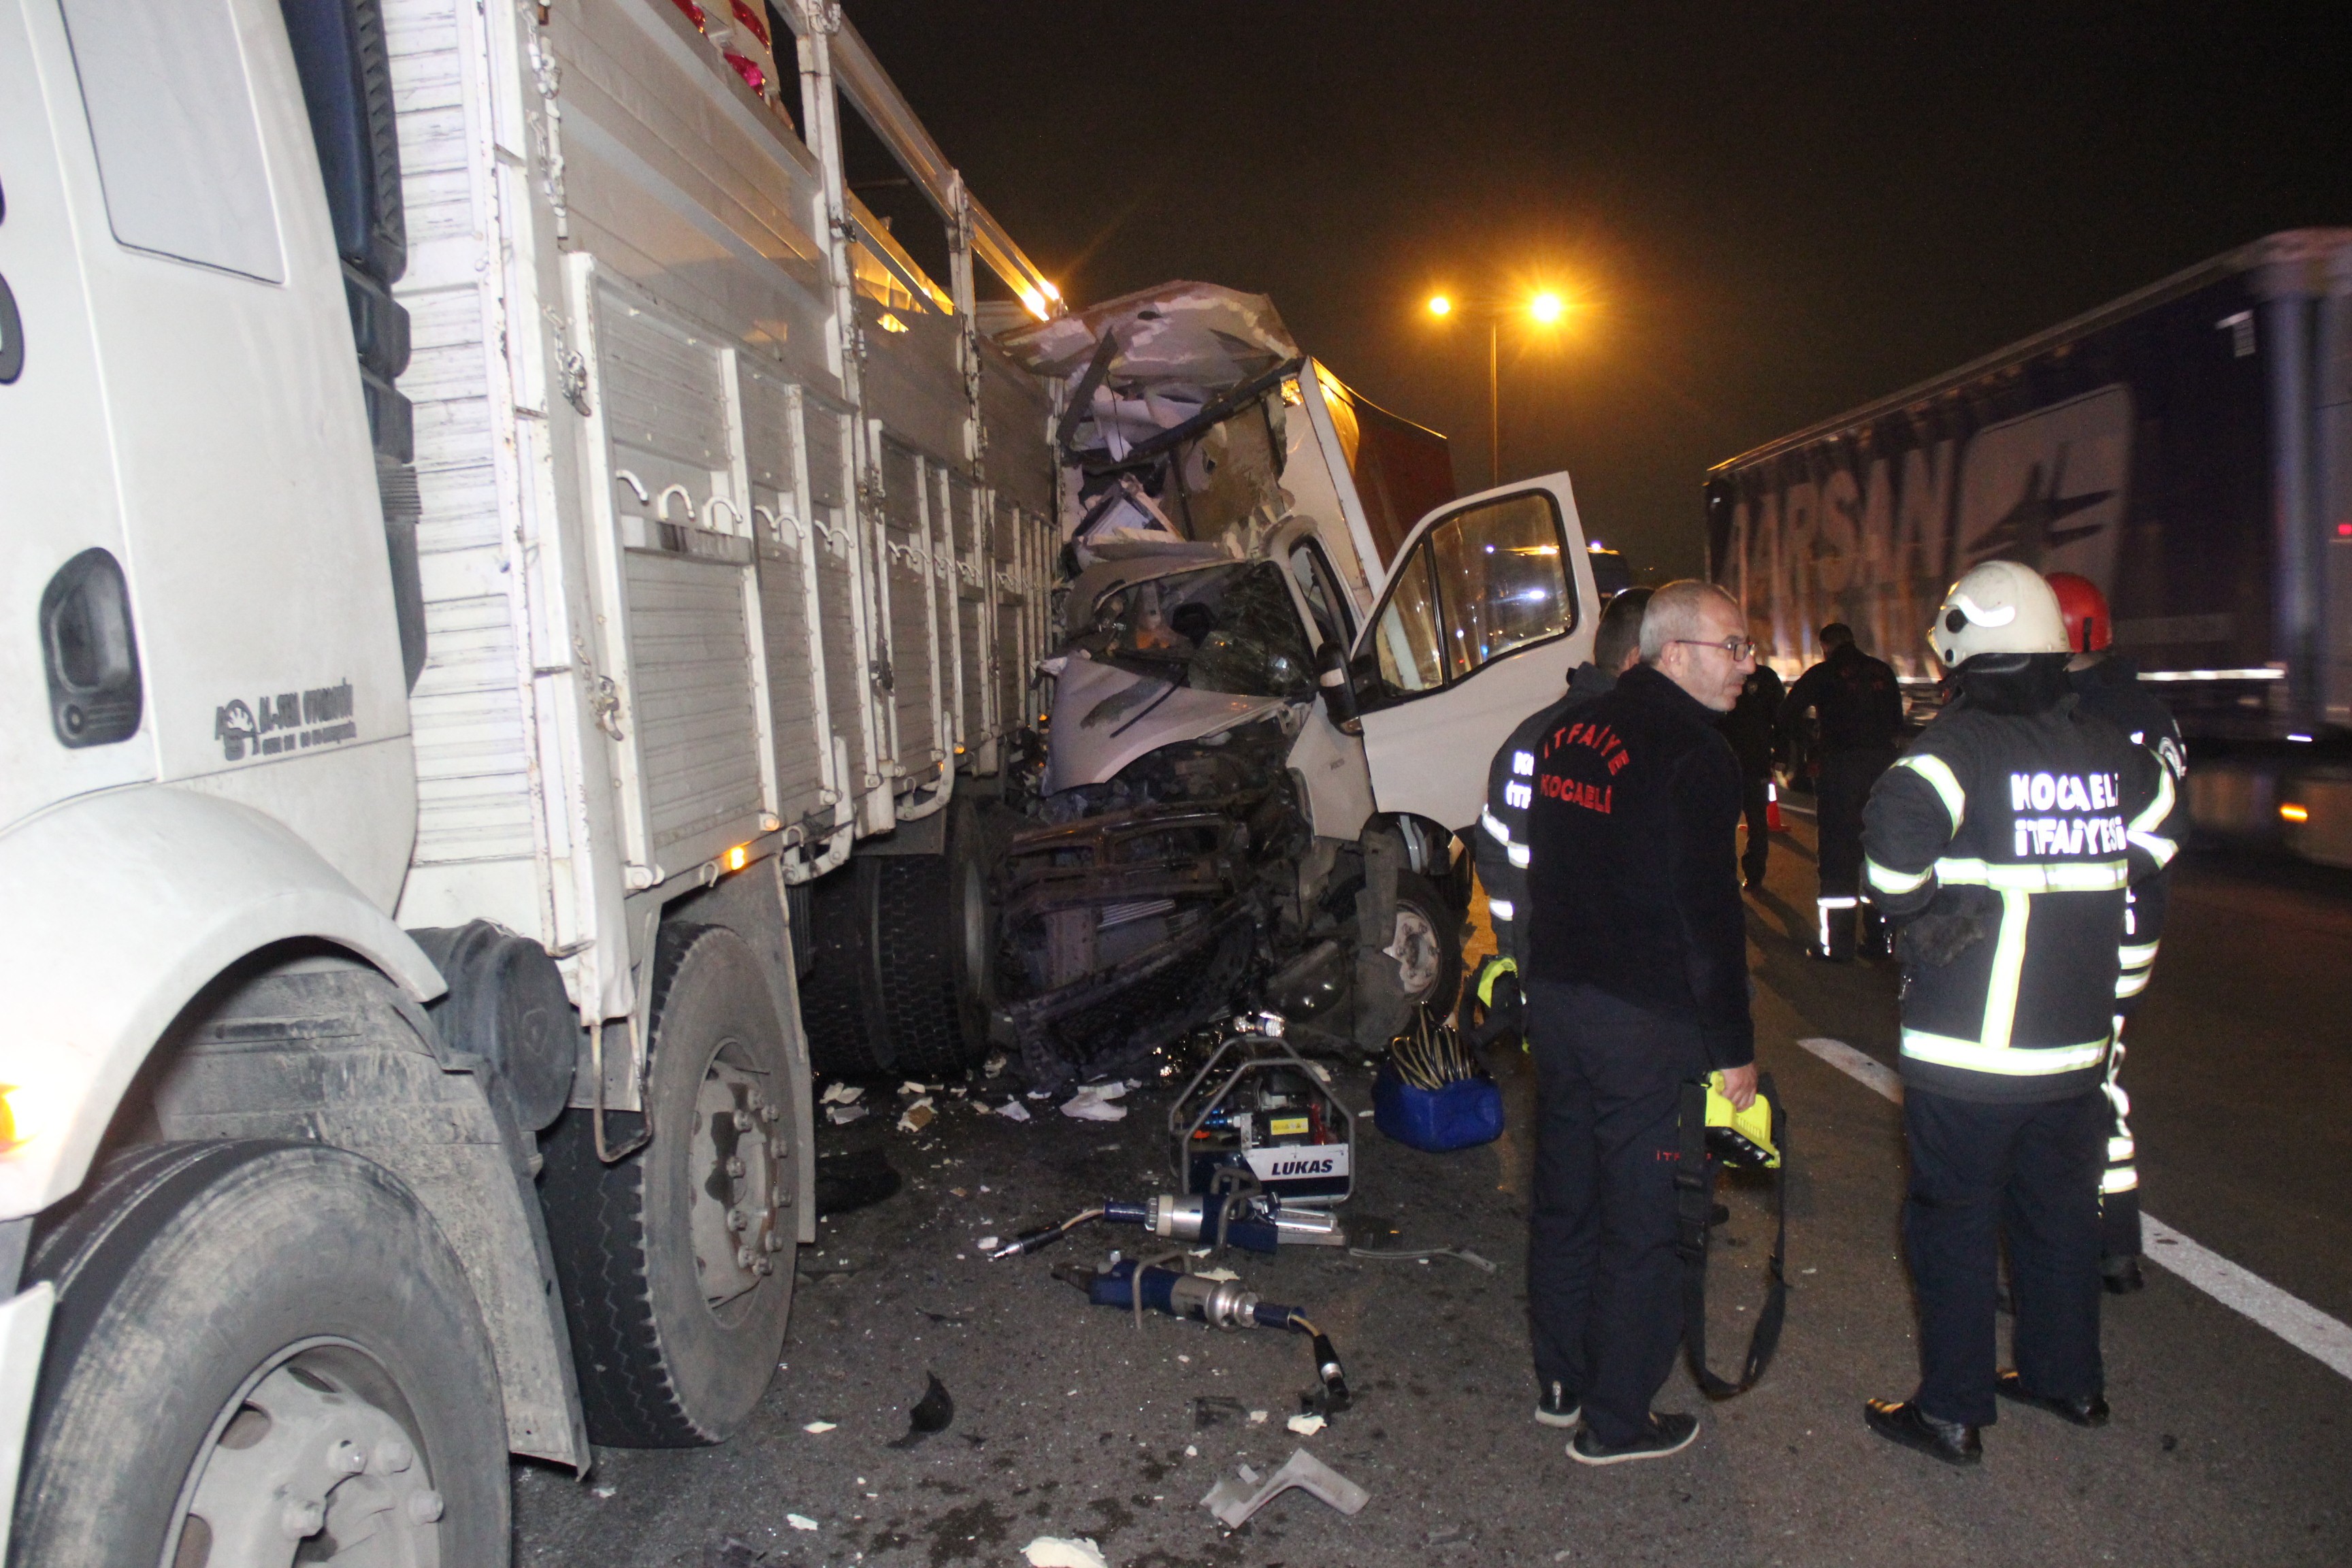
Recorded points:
(1306,1425)
(818,1428)
(1053,1552)
(931,1413)
(842,1094)
(1424,1254)
(911,1087)
(1212,1409)
(985,1244)
(918,1115)
(1234,1499)
(1013,1111)
(1095,1103)
(843,1115)
(801,1521)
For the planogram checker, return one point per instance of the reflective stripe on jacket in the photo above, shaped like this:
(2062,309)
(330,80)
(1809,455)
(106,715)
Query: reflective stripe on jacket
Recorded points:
(2037,825)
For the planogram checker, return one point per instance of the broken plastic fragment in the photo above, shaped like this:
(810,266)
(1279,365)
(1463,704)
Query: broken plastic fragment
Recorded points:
(1306,1425)
(985,1244)
(1053,1552)
(1015,1112)
(818,1427)
(917,1116)
(931,1413)
(1234,1502)
(1089,1104)
(842,1094)
(800,1521)
(1257,1418)
(842,1115)
(911,1087)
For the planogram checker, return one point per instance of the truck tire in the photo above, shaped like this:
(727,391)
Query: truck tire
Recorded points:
(677,1262)
(906,948)
(228,1315)
(1429,938)
(935,956)
(839,1011)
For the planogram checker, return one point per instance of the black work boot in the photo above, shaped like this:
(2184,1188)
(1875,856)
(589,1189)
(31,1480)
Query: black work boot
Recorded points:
(2121,1274)
(2089,1410)
(1906,1424)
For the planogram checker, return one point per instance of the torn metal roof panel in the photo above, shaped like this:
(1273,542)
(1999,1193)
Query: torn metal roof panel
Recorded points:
(1177,335)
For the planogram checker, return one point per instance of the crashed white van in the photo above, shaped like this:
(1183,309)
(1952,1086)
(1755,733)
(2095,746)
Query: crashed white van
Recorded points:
(1289,652)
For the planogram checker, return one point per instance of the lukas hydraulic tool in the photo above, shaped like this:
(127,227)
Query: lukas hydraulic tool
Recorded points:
(1257,1106)
(1221,1303)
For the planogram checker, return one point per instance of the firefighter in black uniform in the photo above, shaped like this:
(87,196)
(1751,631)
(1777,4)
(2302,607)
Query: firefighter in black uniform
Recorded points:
(2109,686)
(2003,842)
(1501,845)
(1751,727)
(1861,709)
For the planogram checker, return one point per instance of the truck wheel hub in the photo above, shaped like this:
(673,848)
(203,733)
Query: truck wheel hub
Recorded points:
(734,1160)
(306,1464)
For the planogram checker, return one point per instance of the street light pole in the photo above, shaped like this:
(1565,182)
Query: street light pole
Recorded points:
(1494,402)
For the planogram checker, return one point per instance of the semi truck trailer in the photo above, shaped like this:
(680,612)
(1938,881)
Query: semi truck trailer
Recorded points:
(2187,448)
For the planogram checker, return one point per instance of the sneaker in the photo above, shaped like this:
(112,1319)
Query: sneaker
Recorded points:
(1667,1435)
(1904,1422)
(1558,1407)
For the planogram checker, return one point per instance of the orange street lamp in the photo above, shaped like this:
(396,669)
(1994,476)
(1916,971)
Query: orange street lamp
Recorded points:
(1545,308)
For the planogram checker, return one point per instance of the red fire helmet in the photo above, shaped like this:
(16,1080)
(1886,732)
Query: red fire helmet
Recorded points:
(2088,627)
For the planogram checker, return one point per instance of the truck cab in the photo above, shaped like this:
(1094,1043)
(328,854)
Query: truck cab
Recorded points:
(1271,712)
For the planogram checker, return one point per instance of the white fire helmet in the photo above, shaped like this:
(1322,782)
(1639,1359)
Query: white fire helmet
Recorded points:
(1998,607)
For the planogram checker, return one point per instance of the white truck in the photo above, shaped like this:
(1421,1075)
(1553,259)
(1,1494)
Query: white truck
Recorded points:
(495,529)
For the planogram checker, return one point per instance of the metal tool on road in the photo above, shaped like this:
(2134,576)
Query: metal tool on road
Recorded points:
(1135,1285)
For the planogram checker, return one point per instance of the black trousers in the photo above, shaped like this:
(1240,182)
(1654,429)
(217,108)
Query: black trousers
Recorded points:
(1980,1174)
(1843,788)
(1755,804)
(1604,1282)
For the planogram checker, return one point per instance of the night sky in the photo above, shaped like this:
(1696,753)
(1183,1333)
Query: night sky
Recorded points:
(1766,213)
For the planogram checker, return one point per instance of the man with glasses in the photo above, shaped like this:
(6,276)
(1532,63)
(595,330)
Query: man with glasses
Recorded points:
(1637,954)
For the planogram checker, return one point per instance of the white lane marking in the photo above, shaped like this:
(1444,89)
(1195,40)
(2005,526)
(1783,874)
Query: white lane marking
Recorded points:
(2290,1317)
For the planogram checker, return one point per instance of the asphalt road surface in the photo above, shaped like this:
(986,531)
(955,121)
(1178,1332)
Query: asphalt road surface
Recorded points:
(2230,1446)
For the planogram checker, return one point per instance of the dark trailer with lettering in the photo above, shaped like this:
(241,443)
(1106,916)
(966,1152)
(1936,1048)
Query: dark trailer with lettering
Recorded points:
(2187,447)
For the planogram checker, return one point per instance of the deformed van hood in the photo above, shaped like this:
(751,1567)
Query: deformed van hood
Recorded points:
(1105,718)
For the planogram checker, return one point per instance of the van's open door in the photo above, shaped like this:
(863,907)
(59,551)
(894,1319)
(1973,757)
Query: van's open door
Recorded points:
(1490,605)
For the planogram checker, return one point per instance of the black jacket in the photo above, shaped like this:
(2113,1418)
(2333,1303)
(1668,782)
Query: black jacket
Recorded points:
(1634,876)
(1500,846)
(2022,832)
(1860,703)
(2112,689)
(1751,724)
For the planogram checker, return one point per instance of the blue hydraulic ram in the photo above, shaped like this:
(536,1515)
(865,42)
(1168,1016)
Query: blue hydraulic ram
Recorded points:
(1220,1303)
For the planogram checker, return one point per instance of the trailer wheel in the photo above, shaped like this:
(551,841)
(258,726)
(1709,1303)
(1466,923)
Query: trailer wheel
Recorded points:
(677,1262)
(260,1351)
(906,954)
(839,1010)
(936,956)
(1427,943)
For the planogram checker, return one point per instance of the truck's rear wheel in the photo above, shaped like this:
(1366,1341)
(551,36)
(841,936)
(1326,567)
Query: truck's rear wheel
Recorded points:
(936,953)
(905,953)
(677,1262)
(260,1352)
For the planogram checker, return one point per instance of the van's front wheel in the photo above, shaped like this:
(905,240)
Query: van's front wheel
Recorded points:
(260,1353)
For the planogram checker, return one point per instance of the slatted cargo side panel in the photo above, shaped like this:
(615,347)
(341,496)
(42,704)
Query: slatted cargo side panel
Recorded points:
(842,599)
(966,590)
(786,542)
(692,697)
(1012,659)
(473,763)
(689,678)
(907,558)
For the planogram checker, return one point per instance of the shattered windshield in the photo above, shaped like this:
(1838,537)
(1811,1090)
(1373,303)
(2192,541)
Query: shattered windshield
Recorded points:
(1230,629)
